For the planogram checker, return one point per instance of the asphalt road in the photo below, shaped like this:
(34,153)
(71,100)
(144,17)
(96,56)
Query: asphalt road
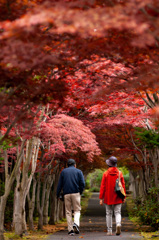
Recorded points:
(93,225)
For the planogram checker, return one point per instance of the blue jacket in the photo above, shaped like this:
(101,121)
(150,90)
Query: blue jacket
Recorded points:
(71,181)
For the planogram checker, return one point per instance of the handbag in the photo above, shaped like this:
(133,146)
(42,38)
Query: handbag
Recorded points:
(119,188)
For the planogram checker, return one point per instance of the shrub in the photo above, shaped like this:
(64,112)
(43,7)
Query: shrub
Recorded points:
(95,189)
(148,210)
(126,178)
(94,179)
(125,172)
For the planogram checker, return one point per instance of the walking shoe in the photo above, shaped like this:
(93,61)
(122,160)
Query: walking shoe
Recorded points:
(118,230)
(71,233)
(109,233)
(75,228)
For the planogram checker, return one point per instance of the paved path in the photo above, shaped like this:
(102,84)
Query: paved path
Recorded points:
(93,226)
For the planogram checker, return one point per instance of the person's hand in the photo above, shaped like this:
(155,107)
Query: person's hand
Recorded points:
(124,200)
(58,198)
(101,202)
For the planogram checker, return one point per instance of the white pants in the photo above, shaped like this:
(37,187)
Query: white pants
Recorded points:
(109,215)
(72,202)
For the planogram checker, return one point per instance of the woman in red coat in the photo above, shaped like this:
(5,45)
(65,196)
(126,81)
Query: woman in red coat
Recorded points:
(110,197)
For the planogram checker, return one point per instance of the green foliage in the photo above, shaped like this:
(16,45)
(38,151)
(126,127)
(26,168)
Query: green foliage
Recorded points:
(126,178)
(147,137)
(6,144)
(94,179)
(87,183)
(148,210)
(125,172)
(86,194)
(84,200)
(95,189)
(9,143)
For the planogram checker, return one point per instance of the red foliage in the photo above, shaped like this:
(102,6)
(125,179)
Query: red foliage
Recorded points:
(81,57)
(66,135)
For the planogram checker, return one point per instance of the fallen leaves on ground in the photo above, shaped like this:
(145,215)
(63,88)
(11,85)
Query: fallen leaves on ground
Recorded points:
(38,234)
(150,235)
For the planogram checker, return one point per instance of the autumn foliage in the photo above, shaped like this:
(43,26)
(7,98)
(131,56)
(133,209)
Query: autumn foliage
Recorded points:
(68,66)
(53,57)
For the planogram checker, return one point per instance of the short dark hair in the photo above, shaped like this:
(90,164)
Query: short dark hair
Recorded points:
(71,162)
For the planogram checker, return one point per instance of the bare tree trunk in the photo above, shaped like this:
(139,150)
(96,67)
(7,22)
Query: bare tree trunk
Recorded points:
(40,203)
(154,155)
(50,179)
(18,209)
(31,204)
(9,180)
(134,183)
(155,161)
(61,210)
(54,202)
(2,236)
(3,200)
(23,186)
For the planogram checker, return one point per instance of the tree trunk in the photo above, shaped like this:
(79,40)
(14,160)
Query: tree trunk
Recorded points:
(31,204)
(154,155)
(61,210)
(40,204)
(19,210)
(3,200)
(54,201)
(2,236)
(133,187)
(155,161)
(9,180)
(23,185)
(145,174)
(50,179)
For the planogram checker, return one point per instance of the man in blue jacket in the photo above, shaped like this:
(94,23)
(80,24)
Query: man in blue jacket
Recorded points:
(72,182)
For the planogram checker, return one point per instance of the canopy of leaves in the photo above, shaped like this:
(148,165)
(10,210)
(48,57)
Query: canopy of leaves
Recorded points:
(82,57)
(66,135)
(60,36)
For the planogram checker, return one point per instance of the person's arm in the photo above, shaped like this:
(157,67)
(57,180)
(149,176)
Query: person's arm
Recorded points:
(123,184)
(81,182)
(59,186)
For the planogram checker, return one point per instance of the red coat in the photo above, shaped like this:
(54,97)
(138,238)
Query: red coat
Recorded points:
(107,188)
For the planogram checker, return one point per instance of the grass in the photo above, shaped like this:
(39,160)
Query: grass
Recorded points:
(34,236)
